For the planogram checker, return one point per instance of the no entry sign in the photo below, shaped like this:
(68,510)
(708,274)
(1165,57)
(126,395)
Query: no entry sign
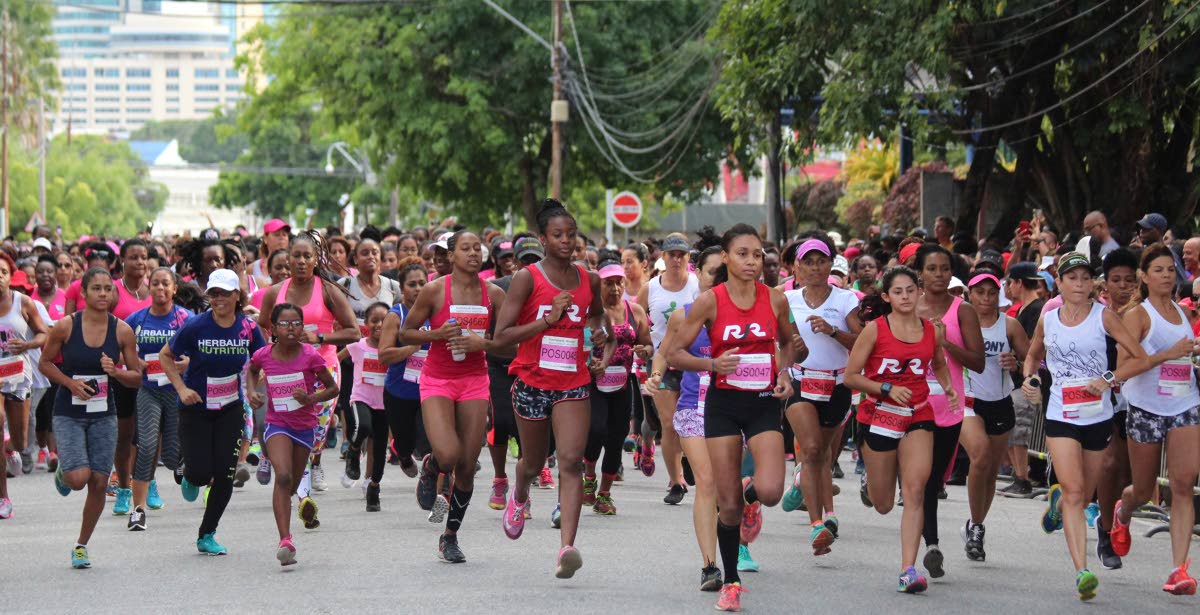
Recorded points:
(626,209)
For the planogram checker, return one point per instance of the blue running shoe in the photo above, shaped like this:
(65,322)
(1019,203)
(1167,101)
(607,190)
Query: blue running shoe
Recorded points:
(911,581)
(79,558)
(190,491)
(794,498)
(61,485)
(153,499)
(745,562)
(208,544)
(556,517)
(1092,512)
(1052,518)
(124,498)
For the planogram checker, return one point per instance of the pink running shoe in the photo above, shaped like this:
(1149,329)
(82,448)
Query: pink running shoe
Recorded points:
(569,561)
(546,479)
(286,554)
(646,462)
(514,516)
(499,493)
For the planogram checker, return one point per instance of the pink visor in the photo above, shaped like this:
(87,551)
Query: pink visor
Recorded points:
(810,245)
(983,277)
(611,271)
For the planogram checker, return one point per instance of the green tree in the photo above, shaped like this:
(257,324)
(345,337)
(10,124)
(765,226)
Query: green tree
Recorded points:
(212,140)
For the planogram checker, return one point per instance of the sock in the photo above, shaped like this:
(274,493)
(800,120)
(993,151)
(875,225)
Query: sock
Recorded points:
(459,501)
(750,494)
(305,486)
(728,541)
(80,544)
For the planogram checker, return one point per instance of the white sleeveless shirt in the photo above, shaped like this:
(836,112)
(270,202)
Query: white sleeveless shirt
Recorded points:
(1168,389)
(1075,356)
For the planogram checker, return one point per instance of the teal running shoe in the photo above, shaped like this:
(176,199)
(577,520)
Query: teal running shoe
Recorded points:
(1086,583)
(793,499)
(153,499)
(124,499)
(208,544)
(79,558)
(190,491)
(1092,512)
(61,485)
(745,562)
(1052,518)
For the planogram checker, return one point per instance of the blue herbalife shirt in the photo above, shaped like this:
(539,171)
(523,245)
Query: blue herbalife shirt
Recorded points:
(218,356)
(152,333)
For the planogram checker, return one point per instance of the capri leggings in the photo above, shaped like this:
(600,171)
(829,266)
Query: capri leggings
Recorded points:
(945,445)
(403,417)
(45,410)
(610,425)
(211,441)
(357,425)
(504,422)
(157,413)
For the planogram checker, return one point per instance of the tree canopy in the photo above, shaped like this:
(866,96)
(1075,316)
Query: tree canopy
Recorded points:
(212,140)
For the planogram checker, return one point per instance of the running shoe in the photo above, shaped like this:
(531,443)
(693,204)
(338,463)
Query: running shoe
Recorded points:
(60,484)
(831,522)
(911,581)
(124,499)
(6,508)
(26,463)
(448,549)
(1121,538)
(731,597)
(569,560)
(79,558)
(112,485)
(1091,513)
(1180,582)
(933,562)
(514,517)
(794,498)
(1052,518)
(1020,488)
(178,475)
(527,514)
(972,535)
(318,478)
(499,492)
(346,481)
(1104,550)
(242,475)
(604,504)
(675,494)
(204,495)
(137,520)
(52,463)
(153,499)
(589,491)
(556,517)
(552,461)
(545,479)
(821,538)
(43,456)
(263,473)
(441,506)
(308,513)
(410,468)
(353,467)
(286,553)
(837,470)
(751,516)
(620,475)
(254,453)
(208,544)
(630,444)
(1086,584)
(746,563)
(859,466)
(427,484)
(837,489)
(863,494)
(710,578)
(372,498)
(190,492)
(15,464)
(514,449)
(646,460)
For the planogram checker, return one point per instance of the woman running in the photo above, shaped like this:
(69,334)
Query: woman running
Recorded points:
(989,416)
(689,420)
(546,308)
(157,403)
(218,344)
(90,343)
(889,363)
(828,322)
(133,294)
(51,295)
(959,337)
(454,381)
(612,397)
(633,260)
(1164,408)
(1072,341)
(751,347)
(21,330)
(291,369)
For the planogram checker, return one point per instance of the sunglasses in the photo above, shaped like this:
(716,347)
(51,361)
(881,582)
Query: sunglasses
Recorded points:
(219,292)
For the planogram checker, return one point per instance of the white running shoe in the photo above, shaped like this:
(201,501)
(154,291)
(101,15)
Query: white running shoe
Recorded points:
(318,479)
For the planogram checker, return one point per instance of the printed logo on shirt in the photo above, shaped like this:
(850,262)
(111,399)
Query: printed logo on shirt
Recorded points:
(735,332)
(894,366)
(571,312)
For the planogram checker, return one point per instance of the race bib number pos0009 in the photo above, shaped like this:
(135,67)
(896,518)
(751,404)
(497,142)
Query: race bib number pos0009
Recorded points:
(221,392)
(279,389)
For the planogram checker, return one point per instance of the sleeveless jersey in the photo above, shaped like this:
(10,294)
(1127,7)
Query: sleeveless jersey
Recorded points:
(477,318)
(752,332)
(1075,356)
(554,359)
(943,414)
(1170,388)
(317,318)
(661,303)
(901,363)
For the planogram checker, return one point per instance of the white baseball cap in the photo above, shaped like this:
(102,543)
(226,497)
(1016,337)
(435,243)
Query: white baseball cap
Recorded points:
(42,242)
(443,241)
(223,279)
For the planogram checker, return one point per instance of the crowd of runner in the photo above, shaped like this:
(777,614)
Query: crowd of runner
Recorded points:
(724,358)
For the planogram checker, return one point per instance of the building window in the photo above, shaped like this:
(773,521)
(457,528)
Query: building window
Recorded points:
(172,87)
(77,87)
(108,121)
(207,87)
(138,110)
(138,99)
(107,99)
(137,87)
(107,72)
(108,87)
(74,72)
(207,73)
(205,110)
(231,73)
(76,110)
(138,72)
(107,110)
(207,99)
(233,87)
(173,99)
(172,109)
(172,73)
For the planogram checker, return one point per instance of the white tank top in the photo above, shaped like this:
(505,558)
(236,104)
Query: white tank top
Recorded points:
(993,384)
(663,303)
(824,352)
(13,325)
(1168,389)
(1075,356)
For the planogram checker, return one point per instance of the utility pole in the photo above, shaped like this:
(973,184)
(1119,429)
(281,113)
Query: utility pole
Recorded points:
(4,38)
(558,107)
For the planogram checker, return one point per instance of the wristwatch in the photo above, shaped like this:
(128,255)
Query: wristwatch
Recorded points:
(886,389)
(1109,377)
(833,331)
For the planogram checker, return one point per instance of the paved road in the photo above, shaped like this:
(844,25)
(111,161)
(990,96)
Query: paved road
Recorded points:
(644,560)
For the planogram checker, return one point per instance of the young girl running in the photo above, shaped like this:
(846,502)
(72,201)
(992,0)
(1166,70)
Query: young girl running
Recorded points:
(1164,408)
(366,395)
(292,369)
(546,308)
(753,340)
(454,381)
(888,364)
(1072,341)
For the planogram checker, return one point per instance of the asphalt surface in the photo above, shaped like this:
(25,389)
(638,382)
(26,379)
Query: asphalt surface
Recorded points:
(644,560)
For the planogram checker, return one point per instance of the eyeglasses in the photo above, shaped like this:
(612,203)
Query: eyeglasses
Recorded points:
(289,324)
(65,265)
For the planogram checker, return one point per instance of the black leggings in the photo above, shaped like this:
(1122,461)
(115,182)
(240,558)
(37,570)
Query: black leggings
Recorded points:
(504,422)
(945,443)
(381,420)
(358,425)
(45,410)
(610,425)
(408,430)
(211,441)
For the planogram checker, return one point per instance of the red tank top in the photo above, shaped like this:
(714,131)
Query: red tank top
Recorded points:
(901,363)
(752,332)
(440,362)
(554,359)
(317,317)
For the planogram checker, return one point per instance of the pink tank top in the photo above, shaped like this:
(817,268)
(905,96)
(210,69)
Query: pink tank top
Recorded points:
(127,304)
(315,315)
(943,414)
(440,363)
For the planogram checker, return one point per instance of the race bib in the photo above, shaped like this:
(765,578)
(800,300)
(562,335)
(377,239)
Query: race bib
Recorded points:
(612,380)
(890,420)
(412,367)
(817,385)
(705,380)
(472,318)
(279,389)
(1175,378)
(1077,402)
(154,370)
(12,369)
(221,392)
(97,402)
(373,370)
(753,373)
(560,354)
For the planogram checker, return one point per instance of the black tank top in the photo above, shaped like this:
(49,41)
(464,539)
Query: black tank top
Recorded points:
(79,359)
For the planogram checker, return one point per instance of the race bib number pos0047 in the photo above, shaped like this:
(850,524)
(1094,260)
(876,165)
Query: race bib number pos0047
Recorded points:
(753,373)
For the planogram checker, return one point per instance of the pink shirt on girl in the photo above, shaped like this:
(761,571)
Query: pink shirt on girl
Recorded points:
(282,377)
(369,373)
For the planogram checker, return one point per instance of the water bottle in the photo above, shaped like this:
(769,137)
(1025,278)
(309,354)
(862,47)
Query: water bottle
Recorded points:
(457,356)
